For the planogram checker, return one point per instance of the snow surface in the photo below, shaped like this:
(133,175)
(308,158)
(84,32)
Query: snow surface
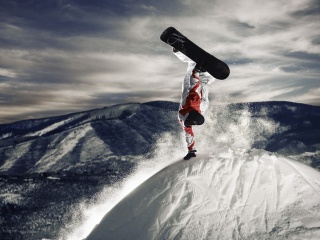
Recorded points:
(226,194)
(66,145)
(49,128)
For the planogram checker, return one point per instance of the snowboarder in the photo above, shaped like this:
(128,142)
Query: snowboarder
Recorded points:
(194,100)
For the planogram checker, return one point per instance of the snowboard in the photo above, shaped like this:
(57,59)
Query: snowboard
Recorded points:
(217,68)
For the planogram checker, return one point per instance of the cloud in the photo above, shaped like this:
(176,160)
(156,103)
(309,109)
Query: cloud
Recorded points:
(67,55)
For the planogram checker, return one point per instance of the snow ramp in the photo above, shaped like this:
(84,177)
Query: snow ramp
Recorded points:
(227,194)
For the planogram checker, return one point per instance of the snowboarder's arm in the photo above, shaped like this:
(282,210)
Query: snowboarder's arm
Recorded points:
(181,56)
(206,78)
(185,89)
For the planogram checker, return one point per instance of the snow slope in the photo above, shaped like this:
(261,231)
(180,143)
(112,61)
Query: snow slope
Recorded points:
(226,194)
(79,141)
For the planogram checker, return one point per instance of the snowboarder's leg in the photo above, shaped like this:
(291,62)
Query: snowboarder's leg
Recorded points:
(189,135)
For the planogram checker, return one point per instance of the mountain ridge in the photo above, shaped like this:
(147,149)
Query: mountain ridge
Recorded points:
(110,127)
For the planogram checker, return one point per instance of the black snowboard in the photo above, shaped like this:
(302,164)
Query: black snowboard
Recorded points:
(211,64)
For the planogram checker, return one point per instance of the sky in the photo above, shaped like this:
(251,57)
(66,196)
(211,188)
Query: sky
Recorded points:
(63,56)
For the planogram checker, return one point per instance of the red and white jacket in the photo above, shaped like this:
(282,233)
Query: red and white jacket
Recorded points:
(194,89)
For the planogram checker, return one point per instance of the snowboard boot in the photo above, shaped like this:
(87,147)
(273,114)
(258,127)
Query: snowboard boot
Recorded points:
(191,154)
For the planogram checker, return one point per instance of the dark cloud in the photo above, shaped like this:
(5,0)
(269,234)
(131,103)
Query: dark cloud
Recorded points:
(312,9)
(78,17)
(241,28)
(312,57)
(302,62)
(238,60)
(60,17)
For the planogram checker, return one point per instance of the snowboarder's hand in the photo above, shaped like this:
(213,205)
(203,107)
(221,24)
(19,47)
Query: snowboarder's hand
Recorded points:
(175,50)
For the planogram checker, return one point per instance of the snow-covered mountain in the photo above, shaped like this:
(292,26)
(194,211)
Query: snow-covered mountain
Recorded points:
(71,142)
(77,141)
(50,166)
(225,194)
